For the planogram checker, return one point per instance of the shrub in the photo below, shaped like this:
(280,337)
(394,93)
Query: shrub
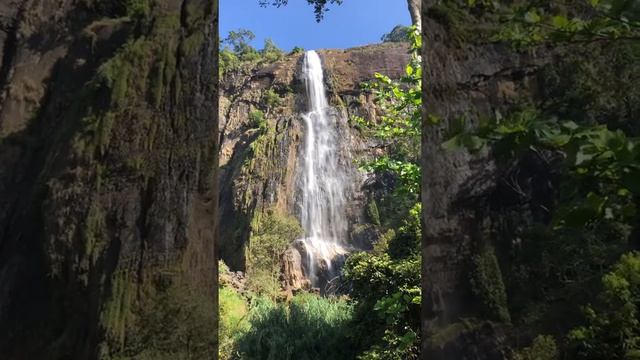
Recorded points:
(271,235)
(612,328)
(308,327)
(372,212)
(399,33)
(257,120)
(270,52)
(296,50)
(233,310)
(543,348)
(271,99)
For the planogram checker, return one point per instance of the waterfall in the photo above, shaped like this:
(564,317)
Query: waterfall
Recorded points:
(323,184)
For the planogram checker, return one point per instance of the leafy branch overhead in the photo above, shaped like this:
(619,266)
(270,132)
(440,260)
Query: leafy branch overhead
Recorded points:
(589,21)
(319,6)
(588,155)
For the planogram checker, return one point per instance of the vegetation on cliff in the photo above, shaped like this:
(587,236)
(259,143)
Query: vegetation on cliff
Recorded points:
(571,156)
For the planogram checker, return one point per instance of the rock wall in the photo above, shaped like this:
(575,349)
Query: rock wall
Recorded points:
(108,162)
(465,76)
(258,166)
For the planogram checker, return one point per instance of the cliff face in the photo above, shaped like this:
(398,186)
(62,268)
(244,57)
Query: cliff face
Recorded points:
(258,164)
(107,173)
(466,207)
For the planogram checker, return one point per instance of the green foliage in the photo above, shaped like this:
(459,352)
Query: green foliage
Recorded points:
(400,342)
(488,288)
(596,83)
(580,135)
(271,99)
(319,6)
(271,235)
(400,124)
(601,166)
(233,311)
(396,347)
(537,22)
(270,52)
(138,8)
(308,327)
(228,60)
(386,282)
(296,50)
(257,120)
(372,276)
(237,54)
(408,172)
(372,212)
(239,42)
(408,237)
(543,348)
(399,33)
(389,289)
(612,328)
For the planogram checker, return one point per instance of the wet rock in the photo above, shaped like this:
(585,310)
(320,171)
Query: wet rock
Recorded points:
(293,274)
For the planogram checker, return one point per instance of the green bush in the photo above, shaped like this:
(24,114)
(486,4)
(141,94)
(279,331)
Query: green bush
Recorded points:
(372,212)
(543,348)
(233,310)
(271,235)
(270,52)
(236,52)
(400,33)
(257,120)
(488,287)
(612,329)
(308,327)
(271,99)
(296,50)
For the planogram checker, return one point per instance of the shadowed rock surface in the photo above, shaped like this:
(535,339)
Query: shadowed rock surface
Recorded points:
(108,163)
(462,195)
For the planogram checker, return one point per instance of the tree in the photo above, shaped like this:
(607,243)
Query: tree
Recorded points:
(398,34)
(239,41)
(271,52)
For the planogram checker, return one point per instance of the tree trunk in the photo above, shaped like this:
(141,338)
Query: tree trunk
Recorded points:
(414,11)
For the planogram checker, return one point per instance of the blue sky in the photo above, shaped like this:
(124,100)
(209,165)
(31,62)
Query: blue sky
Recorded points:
(355,22)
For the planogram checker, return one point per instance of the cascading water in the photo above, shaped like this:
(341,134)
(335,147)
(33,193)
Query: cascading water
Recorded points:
(323,184)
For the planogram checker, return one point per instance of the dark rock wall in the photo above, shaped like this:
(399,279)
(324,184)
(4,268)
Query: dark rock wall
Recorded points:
(472,79)
(108,138)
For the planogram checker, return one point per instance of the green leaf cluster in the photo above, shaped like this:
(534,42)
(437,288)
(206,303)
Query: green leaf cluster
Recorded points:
(399,126)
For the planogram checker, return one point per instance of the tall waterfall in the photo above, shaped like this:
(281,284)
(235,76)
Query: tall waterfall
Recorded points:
(323,184)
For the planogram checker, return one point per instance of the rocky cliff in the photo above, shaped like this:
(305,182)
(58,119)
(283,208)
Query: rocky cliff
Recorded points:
(469,210)
(259,161)
(107,177)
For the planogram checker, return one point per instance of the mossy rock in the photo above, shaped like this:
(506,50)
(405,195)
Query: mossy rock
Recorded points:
(488,287)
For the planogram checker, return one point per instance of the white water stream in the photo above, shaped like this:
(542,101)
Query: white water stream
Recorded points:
(324,180)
